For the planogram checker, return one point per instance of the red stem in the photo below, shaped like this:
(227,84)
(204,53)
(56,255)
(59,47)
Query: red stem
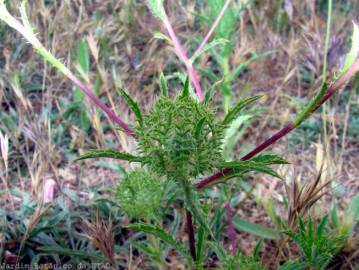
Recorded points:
(191,239)
(332,89)
(95,99)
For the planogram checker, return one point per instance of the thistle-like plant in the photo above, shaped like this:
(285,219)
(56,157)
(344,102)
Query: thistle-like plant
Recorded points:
(181,138)
(139,194)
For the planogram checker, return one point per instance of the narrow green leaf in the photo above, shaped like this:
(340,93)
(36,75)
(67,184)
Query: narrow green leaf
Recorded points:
(161,36)
(255,229)
(269,159)
(200,249)
(354,51)
(83,56)
(209,46)
(109,153)
(163,85)
(257,249)
(321,227)
(242,167)
(233,113)
(156,6)
(161,234)
(353,208)
(185,92)
(199,128)
(309,108)
(133,106)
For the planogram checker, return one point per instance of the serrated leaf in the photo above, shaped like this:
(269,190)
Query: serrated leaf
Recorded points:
(200,249)
(233,113)
(269,159)
(255,229)
(199,128)
(354,50)
(161,36)
(133,106)
(156,6)
(242,167)
(109,153)
(161,234)
(185,92)
(209,46)
(163,85)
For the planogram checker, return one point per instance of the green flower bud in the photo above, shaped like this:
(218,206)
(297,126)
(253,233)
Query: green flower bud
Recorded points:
(181,138)
(140,193)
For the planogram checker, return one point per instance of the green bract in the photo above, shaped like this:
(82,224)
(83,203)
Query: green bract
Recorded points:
(140,193)
(181,138)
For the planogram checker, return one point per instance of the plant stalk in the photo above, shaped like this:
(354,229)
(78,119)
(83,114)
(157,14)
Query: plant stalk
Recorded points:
(191,238)
(190,204)
(303,115)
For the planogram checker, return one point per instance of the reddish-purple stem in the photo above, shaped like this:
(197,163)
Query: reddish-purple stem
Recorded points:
(183,56)
(95,99)
(191,239)
(332,89)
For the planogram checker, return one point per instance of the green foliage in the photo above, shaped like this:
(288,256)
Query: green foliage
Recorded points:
(257,164)
(83,60)
(161,234)
(318,245)
(255,229)
(109,153)
(156,6)
(234,112)
(181,138)
(354,51)
(140,193)
(133,106)
(242,262)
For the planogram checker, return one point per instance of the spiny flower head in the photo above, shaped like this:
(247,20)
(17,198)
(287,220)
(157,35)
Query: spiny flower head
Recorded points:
(140,193)
(181,138)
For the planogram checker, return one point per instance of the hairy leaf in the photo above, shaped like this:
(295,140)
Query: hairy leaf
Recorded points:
(242,167)
(156,6)
(233,113)
(209,46)
(163,85)
(161,234)
(269,159)
(109,153)
(133,106)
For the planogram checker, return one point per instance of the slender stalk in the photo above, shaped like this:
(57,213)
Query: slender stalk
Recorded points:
(95,99)
(214,26)
(191,239)
(190,230)
(324,78)
(27,32)
(303,115)
(183,56)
